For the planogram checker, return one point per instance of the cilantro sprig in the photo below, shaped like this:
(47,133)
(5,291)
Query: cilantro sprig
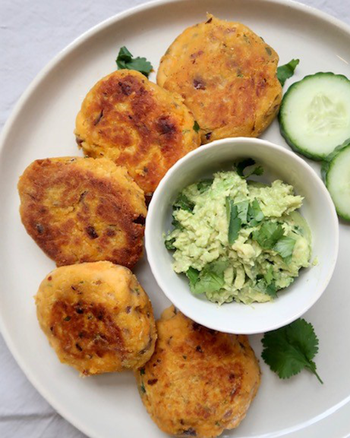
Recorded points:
(125,60)
(290,349)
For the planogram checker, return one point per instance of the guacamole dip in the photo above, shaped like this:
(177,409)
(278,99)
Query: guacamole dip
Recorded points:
(239,240)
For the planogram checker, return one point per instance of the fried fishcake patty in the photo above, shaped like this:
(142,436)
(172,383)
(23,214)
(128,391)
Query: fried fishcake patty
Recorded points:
(97,317)
(227,77)
(136,124)
(198,381)
(83,210)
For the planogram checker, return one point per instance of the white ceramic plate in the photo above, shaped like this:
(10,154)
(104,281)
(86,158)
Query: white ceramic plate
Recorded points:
(42,126)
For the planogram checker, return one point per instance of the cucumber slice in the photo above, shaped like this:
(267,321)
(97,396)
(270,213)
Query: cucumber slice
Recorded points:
(315,114)
(336,175)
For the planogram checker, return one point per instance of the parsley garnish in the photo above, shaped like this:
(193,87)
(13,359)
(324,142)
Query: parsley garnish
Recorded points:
(196,127)
(125,60)
(290,349)
(286,71)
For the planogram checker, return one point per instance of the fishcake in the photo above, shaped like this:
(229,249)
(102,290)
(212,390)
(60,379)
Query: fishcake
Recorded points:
(226,75)
(97,317)
(83,210)
(136,124)
(198,381)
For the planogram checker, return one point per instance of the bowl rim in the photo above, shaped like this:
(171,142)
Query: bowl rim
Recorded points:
(152,211)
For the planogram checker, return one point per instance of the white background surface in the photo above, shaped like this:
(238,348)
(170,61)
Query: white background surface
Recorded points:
(31,33)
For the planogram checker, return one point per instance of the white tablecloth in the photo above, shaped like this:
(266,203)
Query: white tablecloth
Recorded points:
(32,32)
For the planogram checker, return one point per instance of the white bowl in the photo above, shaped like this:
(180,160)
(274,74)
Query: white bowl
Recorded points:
(318,210)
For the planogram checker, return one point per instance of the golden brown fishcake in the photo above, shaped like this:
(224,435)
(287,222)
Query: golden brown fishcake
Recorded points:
(227,77)
(136,124)
(198,381)
(97,317)
(83,210)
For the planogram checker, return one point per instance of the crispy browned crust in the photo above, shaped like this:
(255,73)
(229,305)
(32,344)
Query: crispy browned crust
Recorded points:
(83,210)
(226,75)
(97,317)
(198,381)
(136,124)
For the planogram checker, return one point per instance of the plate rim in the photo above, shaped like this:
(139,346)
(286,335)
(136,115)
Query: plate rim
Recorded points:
(6,131)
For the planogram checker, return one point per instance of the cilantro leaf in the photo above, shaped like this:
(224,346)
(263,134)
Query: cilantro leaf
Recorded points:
(269,275)
(256,171)
(248,162)
(169,243)
(204,185)
(286,71)
(241,165)
(210,279)
(218,267)
(255,213)
(268,234)
(234,222)
(285,247)
(269,289)
(242,211)
(183,203)
(124,55)
(196,127)
(209,282)
(250,214)
(290,349)
(176,224)
(192,275)
(125,60)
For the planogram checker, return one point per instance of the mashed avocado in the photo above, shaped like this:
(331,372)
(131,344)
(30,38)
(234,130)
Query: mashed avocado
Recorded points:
(238,240)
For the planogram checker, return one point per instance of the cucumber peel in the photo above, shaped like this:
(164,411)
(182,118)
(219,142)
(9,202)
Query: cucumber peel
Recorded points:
(335,173)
